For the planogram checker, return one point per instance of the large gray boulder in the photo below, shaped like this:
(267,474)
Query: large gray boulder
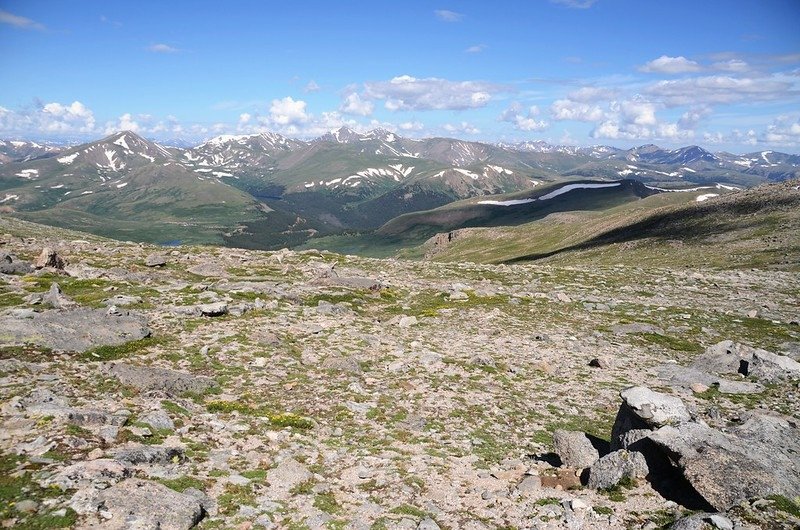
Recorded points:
(151,454)
(644,409)
(77,329)
(151,378)
(574,449)
(757,459)
(770,367)
(288,474)
(612,468)
(10,264)
(139,504)
(728,357)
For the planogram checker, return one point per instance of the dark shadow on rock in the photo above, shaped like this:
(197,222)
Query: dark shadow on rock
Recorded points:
(551,458)
(603,446)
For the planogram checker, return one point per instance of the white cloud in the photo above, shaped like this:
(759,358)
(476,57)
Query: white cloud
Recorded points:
(784,130)
(478,48)
(731,65)
(523,119)
(287,111)
(353,104)
(245,118)
(670,65)
(720,89)
(461,128)
(162,48)
(566,109)
(126,122)
(312,86)
(575,4)
(20,22)
(411,126)
(448,16)
(693,116)
(409,93)
(55,117)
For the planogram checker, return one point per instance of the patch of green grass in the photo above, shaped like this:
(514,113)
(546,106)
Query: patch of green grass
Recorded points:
(407,509)
(280,420)
(327,503)
(544,501)
(28,352)
(257,475)
(785,505)
(182,484)
(174,408)
(304,488)
(111,353)
(603,510)
(233,497)
(15,487)
(672,343)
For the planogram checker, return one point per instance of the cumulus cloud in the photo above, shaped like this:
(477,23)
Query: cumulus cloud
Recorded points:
(523,119)
(288,111)
(411,126)
(162,48)
(461,128)
(448,16)
(670,65)
(731,65)
(312,86)
(784,130)
(409,93)
(353,104)
(567,109)
(717,89)
(20,22)
(692,117)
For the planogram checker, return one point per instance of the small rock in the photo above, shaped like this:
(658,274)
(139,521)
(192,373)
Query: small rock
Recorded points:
(600,362)
(698,388)
(215,309)
(407,322)
(28,506)
(49,258)
(155,260)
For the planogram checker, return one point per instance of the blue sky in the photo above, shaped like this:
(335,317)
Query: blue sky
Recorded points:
(722,74)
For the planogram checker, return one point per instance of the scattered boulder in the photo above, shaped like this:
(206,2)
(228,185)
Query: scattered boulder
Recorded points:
(56,298)
(10,264)
(215,309)
(150,378)
(97,473)
(769,367)
(208,270)
(642,408)
(77,329)
(600,362)
(342,364)
(151,454)
(155,260)
(574,449)
(49,259)
(157,419)
(757,459)
(612,468)
(135,503)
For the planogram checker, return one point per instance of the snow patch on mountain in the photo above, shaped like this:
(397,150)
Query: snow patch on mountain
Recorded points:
(555,193)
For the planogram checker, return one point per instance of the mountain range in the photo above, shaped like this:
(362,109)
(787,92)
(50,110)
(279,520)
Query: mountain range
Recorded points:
(266,191)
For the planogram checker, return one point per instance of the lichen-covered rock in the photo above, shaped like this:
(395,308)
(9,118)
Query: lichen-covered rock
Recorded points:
(575,449)
(150,378)
(139,504)
(612,468)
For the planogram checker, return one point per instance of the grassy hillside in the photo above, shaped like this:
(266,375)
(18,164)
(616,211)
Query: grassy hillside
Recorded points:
(752,228)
